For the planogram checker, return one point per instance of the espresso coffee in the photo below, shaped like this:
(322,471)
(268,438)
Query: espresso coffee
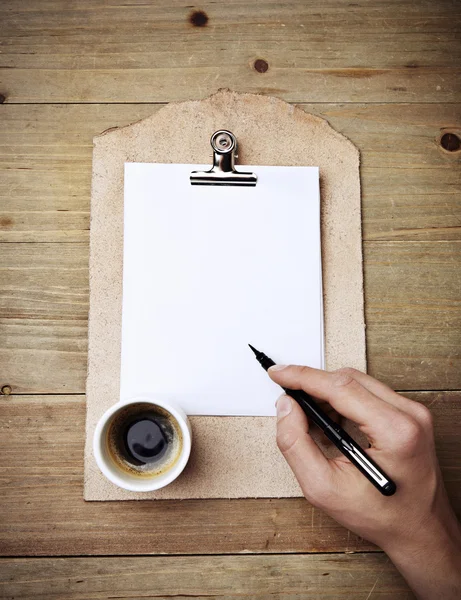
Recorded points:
(144,440)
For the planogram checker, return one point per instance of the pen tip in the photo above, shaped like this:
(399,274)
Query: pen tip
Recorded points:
(254,350)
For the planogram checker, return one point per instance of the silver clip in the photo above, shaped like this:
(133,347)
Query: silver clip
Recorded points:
(223,170)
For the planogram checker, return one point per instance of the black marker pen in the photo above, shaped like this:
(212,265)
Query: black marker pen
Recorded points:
(336,434)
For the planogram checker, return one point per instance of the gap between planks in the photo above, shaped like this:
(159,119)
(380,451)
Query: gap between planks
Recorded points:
(5,557)
(83,394)
(294,102)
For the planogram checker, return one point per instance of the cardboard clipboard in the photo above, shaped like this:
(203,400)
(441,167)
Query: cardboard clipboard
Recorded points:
(232,456)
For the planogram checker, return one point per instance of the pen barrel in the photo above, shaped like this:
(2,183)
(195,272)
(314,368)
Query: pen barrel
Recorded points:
(343,441)
(364,463)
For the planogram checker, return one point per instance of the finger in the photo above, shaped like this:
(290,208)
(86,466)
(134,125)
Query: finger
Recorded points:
(343,392)
(380,389)
(310,466)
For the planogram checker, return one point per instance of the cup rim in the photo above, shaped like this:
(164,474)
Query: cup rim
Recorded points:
(143,485)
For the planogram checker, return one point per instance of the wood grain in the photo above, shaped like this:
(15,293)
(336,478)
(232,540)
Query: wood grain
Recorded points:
(94,51)
(321,577)
(43,511)
(412,313)
(410,184)
(43,316)
(387,75)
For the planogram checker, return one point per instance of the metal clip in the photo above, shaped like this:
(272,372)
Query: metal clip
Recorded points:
(223,170)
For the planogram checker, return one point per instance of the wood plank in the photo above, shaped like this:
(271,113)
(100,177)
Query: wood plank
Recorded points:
(43,355)
(43,512)
(410,184)
(43,316)
(316,577)
(412,312)
(92,51)
(44,281)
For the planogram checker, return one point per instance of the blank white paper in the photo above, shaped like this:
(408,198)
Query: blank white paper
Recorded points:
(209,269)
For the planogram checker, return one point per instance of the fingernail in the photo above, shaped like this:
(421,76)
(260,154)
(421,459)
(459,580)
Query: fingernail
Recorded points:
(277,367)
(283,406)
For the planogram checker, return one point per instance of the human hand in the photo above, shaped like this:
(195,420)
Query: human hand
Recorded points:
(418,520)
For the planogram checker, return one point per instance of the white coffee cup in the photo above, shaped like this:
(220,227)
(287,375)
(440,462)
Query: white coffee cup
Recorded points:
(127,479)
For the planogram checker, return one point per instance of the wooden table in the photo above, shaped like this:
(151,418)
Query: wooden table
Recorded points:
(386,73)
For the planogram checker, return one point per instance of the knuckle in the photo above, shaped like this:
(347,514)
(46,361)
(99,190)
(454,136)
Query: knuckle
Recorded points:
(303,371)
(410,429)
(408,432)
(299,375)
(350,371)
(344,377)
(424,415)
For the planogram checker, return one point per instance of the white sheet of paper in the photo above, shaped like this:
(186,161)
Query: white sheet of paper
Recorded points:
(209,269)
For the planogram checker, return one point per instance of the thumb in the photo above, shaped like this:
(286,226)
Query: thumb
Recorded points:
(310,466)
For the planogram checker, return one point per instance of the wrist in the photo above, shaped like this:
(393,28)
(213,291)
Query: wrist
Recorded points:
(438,538)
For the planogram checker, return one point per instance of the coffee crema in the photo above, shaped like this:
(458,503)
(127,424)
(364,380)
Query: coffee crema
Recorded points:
(144,440)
